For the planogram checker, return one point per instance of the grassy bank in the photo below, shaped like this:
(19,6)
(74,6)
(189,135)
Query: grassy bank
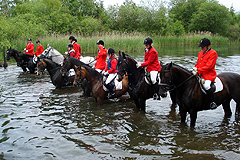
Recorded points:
(129,43)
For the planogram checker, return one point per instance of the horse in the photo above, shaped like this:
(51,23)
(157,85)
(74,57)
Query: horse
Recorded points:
(23,60)
(139,90)
(54,71)
(95,81)
(70,63)
(190,96)
(52,54)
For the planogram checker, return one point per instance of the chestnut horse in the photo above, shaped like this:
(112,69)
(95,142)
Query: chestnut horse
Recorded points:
(191,98)
(95,80)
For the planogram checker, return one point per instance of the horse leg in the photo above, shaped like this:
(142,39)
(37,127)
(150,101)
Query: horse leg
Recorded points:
(183,114)
(193,117)
(100,100)
(227,109)
(24,69)
(173,95)
(142,103)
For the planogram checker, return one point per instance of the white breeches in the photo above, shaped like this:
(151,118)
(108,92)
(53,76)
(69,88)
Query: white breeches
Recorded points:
(153,76)
(207,84)
(99,70)
(110,77)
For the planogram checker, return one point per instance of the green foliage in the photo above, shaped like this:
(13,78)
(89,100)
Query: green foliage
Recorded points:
(212,17)
(91,25)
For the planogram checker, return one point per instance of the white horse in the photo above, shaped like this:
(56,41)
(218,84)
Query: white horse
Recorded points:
(58,58)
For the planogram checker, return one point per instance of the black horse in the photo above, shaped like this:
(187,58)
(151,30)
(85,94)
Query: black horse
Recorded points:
(190,96)
(70,63)
(23,60)
(138,88)
(54,71)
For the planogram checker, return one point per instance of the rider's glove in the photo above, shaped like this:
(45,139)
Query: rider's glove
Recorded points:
(105,73)
(194,71)
(138,65)
(24,49)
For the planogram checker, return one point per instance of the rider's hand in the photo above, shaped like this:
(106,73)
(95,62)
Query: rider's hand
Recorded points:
(194,71)
(138,65)
(24,49)
(105,73)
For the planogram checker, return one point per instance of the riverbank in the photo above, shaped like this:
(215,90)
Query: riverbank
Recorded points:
(129,43)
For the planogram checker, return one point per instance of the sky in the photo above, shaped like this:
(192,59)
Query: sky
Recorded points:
(227,3)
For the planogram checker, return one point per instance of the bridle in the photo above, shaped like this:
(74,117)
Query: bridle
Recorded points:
(170,87)
(124,70)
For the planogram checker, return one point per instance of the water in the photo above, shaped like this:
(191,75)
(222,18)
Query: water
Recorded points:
(39,122)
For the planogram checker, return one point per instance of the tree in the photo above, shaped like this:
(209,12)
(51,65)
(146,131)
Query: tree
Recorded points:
(183,10)
(212,17)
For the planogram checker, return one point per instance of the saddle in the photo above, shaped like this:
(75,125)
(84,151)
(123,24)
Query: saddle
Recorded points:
(148,78)
(216,86)
(117,85)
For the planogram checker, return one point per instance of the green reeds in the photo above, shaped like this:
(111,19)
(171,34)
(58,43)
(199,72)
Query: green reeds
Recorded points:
(130,43)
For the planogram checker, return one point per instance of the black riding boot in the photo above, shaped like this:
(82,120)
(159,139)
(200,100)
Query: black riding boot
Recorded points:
(110,87)
(210,93)
(156,90)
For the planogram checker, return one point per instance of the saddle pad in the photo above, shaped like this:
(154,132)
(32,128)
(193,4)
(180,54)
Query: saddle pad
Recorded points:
(118,85)
(218,84)
(71,72)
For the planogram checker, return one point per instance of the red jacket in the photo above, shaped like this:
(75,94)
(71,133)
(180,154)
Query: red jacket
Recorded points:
(39,50)
(206,64)
(71,53)
(30,48)
(77,49)
(111,65)
(151,60)
(101,58)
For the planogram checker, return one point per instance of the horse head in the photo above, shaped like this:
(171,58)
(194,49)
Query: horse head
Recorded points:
(166,77)
(78,76)
(126,64)
(67,65)
(12,53)
(41,66)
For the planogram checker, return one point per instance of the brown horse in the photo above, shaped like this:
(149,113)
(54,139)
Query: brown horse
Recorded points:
(190,96)
(95,80)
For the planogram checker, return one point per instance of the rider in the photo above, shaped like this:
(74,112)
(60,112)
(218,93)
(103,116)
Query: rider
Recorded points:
(205,67)
(76,47)
(29,47)
(110,71)
(152,64)
(102,56)
(39,48)
(71,51)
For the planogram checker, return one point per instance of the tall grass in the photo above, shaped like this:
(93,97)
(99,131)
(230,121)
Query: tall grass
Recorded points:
(126,42)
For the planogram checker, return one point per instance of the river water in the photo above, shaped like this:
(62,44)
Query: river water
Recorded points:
(39,122)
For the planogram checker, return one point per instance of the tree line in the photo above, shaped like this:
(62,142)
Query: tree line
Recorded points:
(37,18)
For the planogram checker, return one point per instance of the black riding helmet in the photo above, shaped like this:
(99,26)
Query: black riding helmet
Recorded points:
(148,41)
(29,39)
(100,42)
(110,50)
(70,45)
(37,41)
(204,42)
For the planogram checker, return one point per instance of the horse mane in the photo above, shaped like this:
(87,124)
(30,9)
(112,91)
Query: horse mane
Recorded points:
(186,70)
(14,50)
(50,61)
(93,71)
(77,62)
(25,55)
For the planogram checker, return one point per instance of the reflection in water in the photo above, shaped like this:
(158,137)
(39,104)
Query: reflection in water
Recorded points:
(39,122)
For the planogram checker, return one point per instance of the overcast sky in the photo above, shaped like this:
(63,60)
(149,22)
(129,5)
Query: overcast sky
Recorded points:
(227,3)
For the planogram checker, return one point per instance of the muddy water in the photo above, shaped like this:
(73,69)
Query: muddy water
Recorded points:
(39,122)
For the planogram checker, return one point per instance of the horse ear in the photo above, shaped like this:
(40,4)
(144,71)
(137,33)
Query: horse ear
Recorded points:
(170,65)
(124,56)
(48,46)
(119,53)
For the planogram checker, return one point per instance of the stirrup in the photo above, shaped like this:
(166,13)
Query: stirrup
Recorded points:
(213,105)
(156,97)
